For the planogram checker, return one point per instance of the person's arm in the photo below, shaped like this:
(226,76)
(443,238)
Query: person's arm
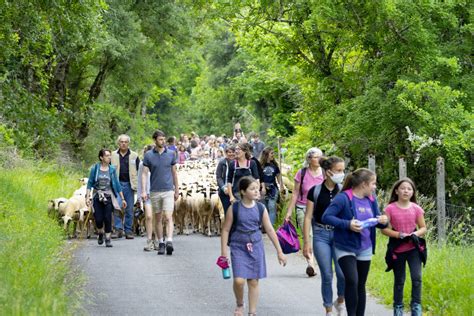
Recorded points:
(220,175)
(267,225)
(144,177)
(230,177)
(281,185)
(294,198)
(334,210)
(389,230)
(307,249)
(175,182)
(420,221)
(229,218)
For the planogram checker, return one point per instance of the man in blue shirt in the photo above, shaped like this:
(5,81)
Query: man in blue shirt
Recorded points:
(164,190)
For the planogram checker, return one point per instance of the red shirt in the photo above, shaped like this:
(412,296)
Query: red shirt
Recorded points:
(404,220)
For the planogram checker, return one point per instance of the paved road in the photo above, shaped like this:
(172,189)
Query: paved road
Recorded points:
(125,280)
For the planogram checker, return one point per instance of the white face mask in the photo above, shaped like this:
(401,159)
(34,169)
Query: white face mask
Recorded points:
(338,178)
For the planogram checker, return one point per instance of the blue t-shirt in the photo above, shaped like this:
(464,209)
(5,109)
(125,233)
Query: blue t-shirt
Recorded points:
(161,179)
(363,212)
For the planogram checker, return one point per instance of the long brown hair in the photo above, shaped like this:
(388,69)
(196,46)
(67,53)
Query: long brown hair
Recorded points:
(394,195)
(356,178)
(264,157)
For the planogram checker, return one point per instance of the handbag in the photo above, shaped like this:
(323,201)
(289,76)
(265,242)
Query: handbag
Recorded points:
(288,238)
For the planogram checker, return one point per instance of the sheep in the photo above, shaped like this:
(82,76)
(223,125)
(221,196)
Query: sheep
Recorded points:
(82,190)
(56,207)
(74,210)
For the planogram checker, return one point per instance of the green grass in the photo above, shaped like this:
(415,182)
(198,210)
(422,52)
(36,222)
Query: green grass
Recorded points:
(447,279)
(36,277)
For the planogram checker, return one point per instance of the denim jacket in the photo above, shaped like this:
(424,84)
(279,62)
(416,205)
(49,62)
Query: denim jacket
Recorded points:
(94,176)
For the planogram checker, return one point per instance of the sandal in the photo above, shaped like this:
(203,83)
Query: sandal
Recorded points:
(239,310)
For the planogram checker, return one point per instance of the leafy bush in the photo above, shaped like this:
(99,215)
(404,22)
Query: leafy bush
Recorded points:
(36,276)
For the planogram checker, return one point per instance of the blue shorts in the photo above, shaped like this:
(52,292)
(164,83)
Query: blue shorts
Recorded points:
(363,255)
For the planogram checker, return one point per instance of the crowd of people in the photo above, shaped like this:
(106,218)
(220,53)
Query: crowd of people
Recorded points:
(338,213)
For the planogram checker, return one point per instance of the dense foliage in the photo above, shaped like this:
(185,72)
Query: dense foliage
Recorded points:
(393,78)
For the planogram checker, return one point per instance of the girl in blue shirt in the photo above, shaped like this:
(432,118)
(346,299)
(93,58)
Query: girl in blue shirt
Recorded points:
(354,244)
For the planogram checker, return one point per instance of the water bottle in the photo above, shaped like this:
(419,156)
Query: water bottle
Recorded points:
(226,273)
(369,222)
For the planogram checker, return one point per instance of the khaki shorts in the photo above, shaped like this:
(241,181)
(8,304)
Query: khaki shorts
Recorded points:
(162,201)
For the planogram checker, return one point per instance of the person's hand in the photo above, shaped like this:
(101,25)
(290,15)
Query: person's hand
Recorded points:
(232,199)
(144,196)
(226,191)
(307,250)
(288,217)
(402,235)
(282,258)
(383,219)
(88,201)
(356,226)
(176,195)
(124,204)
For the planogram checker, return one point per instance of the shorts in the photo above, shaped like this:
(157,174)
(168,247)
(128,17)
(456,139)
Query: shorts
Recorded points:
(363,255)
(162,201)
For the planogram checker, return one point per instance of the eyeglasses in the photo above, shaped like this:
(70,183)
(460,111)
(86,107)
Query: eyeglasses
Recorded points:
(238,149)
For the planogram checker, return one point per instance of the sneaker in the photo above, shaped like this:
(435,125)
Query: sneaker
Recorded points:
(100,240)
(340,308)
(398,310)
(169,248)
(129,236)
(416,309)
(161,248)
(149,245)
(117,234)
(310,271)
(108,243)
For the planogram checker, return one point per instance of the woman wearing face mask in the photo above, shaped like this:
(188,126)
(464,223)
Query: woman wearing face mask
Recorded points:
(319,197)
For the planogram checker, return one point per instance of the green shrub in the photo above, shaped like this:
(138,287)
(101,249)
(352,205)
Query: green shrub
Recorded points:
(447,279)
(36,276)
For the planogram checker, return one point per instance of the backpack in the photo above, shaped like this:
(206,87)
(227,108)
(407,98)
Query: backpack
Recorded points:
(317,190)
(235,212)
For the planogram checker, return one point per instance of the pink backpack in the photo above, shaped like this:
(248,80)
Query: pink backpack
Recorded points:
(288,238)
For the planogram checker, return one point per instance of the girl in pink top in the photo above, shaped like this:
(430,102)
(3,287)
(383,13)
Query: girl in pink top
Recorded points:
(406,218)
(307,177)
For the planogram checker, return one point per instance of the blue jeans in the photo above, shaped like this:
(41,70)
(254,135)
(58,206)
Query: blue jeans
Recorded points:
(128,194)
(323,247)
(271,205)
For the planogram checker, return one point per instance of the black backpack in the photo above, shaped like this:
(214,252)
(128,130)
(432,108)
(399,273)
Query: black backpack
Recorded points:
(235,212)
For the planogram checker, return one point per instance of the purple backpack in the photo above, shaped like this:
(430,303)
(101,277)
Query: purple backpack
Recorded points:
(288,238)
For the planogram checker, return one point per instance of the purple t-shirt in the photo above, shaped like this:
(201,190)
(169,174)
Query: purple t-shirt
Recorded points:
(363,212)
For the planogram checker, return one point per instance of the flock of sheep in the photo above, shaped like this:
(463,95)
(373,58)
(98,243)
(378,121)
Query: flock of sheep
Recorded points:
(198,208)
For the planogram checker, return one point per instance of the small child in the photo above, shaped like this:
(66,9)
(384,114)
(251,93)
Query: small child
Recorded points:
(183,155)
(246,244)
(404,216)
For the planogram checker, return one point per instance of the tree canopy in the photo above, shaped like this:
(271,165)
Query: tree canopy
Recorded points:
(392,77)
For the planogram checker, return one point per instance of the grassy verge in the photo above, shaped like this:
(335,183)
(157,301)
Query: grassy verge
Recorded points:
(447,279)
(36,277)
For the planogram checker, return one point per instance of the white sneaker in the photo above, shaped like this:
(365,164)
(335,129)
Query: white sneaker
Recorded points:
(340,308)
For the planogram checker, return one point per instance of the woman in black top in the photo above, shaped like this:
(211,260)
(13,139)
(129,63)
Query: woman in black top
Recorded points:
(319,198)
(270,175)
(242,166)
(222,172)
